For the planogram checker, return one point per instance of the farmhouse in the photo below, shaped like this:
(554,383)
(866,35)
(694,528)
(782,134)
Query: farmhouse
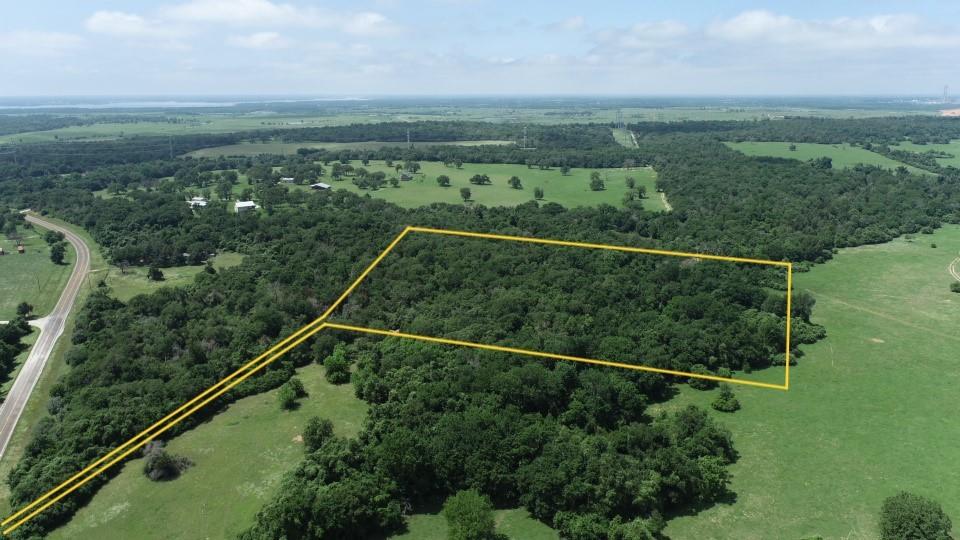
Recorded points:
(197,202)
(288,179)
(244,206)
(320,185)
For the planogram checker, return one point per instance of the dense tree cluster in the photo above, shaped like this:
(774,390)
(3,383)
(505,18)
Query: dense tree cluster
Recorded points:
(10,336)
(786,209)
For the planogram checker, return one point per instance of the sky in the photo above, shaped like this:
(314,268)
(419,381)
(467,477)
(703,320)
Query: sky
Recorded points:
(477,47)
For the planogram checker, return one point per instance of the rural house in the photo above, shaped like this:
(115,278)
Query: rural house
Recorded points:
(244,206)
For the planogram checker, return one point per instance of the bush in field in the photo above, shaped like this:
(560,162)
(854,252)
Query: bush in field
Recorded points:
(161,465)
(726,401)
(906,516)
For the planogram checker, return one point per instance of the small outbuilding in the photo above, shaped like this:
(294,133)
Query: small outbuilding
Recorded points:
(320,186)
(197,202)
(288,179)
(406,176)
(244,206)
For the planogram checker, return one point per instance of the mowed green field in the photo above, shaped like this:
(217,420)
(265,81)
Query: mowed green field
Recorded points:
(843,155)
(125,285)
(31,277)
(870,410)
(257,148)
(952,148)
(570,191)
(239,458)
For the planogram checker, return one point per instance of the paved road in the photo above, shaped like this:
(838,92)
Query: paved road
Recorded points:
(51,327)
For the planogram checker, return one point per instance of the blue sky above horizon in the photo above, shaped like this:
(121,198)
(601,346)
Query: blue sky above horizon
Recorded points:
(235,47)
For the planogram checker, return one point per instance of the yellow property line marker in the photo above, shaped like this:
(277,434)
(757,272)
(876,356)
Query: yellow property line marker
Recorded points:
(540,354)
(285,345)
(151,432)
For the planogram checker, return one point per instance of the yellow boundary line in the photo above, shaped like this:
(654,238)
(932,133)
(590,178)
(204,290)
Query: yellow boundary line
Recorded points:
(540,354)
(285,345)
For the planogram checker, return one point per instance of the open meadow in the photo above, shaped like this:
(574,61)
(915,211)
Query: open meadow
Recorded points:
(843,155)
(869,411)
(953,147)
(31,277)
(572,190)
(239,458)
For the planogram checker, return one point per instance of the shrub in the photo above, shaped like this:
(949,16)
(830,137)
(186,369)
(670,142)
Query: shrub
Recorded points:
(469,516)
(726,401)
(906,515)
(287,397)
(701,384)
(317,432)
(154,274)
(337,366)
(955,287)
(161,465)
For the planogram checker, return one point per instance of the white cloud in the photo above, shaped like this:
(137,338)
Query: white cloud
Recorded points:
(368,23)
(119,24)
(845,33)
(641,36)
(267,13)
(260,40)
(570,24)
(32,43)
(238,12)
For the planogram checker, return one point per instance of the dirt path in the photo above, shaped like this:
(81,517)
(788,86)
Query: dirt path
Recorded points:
(953,268)
(634,137)
(51,327)
(663,198)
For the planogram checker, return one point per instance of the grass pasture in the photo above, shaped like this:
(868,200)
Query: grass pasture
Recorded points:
(257,148)
(843,155)
(952,148)
(868,412)
(239,457)
(134,280)
(570,191)
(31,277)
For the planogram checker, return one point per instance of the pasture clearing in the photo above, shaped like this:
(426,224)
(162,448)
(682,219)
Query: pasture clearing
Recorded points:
(240,457)
(133,281)
(868,412)
(570,191)
(953,147)
(31,277)
(257,148)
(624,137)
(843,155)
